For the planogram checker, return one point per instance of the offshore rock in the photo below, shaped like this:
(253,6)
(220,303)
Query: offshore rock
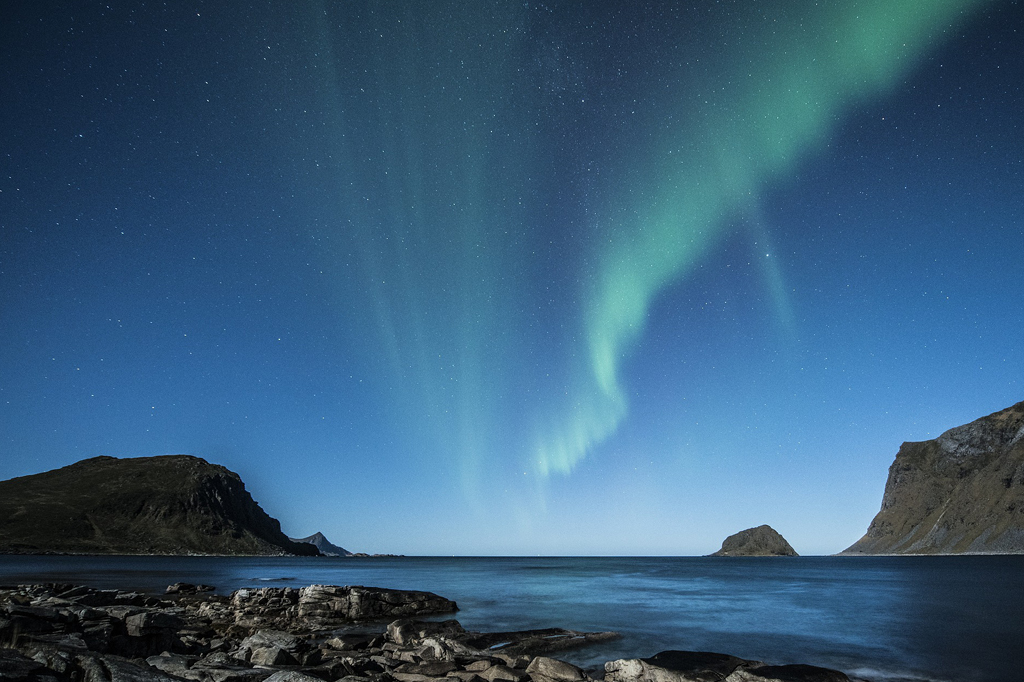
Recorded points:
(759,541)
(175,504)
(703,666)
(962,492)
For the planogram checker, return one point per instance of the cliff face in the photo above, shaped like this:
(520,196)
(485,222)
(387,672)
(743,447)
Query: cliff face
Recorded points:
(962,492)
(759,541)
(175,504)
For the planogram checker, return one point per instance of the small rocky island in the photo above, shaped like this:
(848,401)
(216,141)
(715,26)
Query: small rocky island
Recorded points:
(962,492)
(319,633)
(760,541)
(174,504)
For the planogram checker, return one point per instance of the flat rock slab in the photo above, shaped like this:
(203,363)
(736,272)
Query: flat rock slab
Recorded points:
(705,666)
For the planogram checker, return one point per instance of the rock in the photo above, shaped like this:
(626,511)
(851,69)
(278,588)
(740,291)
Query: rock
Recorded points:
(188,588)
(122,670)
(703,666)
(271,656)
(788,673)
(172,664)
(543,669)
(502,673)
(16,667)
(760,541)
(271,638)
(427,668)
(291,676)
(152,622)
(533,642)
(962,492)
(405,631)
(673,666)
(175,504)
(354,603)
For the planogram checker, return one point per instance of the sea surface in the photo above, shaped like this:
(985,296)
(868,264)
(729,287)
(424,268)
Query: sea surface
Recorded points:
(878,618)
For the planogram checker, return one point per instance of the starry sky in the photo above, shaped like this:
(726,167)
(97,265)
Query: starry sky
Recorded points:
(493,277)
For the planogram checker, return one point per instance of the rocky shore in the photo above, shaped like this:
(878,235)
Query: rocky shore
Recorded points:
(319,633)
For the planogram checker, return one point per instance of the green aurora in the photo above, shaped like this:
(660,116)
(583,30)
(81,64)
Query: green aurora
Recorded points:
(769,100)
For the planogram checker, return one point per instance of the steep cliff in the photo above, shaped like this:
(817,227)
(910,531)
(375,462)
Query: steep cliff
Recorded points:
(175,504)
(760,541)
(961,492)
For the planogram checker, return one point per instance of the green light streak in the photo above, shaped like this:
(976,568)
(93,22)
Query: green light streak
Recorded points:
(775,99)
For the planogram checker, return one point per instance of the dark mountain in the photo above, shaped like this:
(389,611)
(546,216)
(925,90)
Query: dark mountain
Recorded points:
(759,541)
(324,545)
(176,504)
(962,492)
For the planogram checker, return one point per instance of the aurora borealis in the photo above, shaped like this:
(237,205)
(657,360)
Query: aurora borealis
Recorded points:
(504,278)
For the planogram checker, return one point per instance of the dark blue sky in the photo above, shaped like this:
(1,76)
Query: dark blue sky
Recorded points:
(505,277)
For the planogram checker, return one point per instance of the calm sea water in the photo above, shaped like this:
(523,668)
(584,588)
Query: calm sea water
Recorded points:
(880,618)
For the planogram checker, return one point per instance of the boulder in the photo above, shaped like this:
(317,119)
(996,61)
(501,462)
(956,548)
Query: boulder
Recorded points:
(405,631)
(544,669)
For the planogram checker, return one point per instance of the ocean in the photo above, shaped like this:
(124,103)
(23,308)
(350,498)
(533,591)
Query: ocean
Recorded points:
(953,618)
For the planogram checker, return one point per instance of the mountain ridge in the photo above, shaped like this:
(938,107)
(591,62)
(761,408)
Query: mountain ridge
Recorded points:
(960,493)
(169,504)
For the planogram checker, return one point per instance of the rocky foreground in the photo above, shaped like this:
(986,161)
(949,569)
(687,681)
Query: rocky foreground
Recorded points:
(320,633)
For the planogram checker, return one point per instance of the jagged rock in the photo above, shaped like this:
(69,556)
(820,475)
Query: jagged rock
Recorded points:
(962,492)
(175,504)
(760,541)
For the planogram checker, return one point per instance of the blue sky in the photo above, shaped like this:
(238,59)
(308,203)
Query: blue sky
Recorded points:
(513,278)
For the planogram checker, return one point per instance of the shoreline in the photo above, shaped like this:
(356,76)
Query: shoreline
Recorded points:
(319,633)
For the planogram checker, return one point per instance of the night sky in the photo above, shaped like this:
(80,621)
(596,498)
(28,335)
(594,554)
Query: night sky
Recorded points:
(496,277)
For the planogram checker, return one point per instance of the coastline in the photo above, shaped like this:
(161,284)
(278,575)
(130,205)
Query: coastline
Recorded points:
(880,618)
(318,633)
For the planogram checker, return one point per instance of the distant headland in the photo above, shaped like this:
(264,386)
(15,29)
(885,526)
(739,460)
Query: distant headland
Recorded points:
(174,504)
